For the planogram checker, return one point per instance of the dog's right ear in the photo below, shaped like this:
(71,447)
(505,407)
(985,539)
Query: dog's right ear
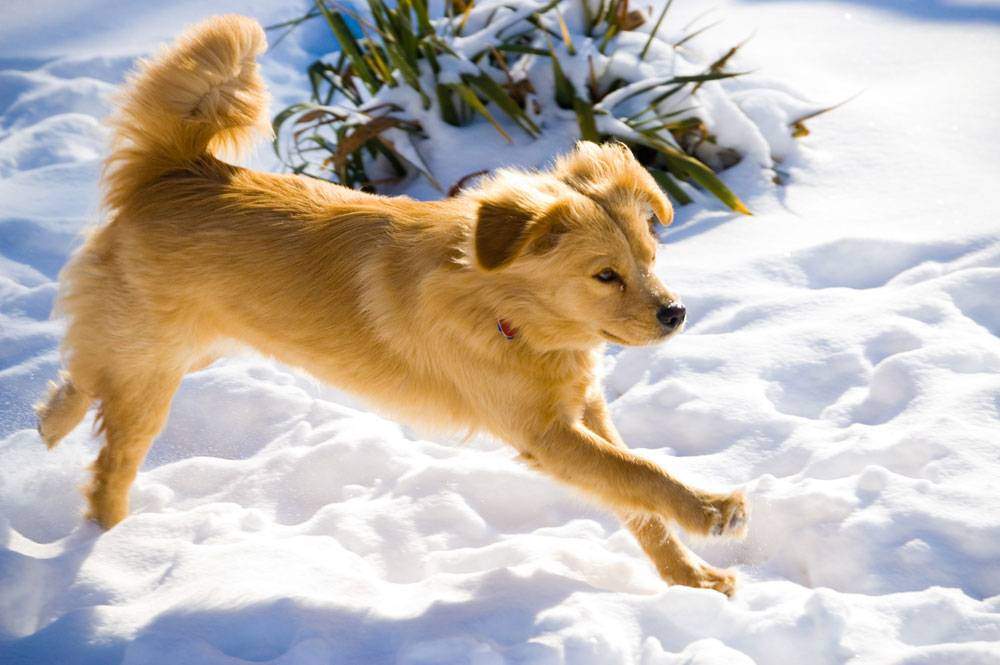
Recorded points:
(502,231)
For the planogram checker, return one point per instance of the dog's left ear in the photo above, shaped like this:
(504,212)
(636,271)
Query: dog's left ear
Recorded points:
(609,170)
(509,227)
(663,211)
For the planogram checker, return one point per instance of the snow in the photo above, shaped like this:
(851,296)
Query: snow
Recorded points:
(842,365)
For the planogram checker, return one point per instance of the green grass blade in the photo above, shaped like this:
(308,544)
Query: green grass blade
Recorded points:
(378,12)
(521,48)
(670,186)
(280,119)
(496,94)
(391,156)
(431,56)
(588,17)
(667,93)
(677,83)
(373,56)
(349,46)
(564,89)
(598,16)
(564,30)
(634,122)
(798,126)
(724,59)
(608,35)
(686,166)
(688,37)
(410,75)
(705,177)
(448,111)
(706,76)
(473,101)
(424,25)
(585,119)
(656,28)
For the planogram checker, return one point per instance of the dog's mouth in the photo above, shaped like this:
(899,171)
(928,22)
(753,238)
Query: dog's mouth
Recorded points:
(670,334)
(614,338)
(621,341)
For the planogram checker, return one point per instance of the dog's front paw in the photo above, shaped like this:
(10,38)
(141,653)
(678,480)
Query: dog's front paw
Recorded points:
(700,575)
(731,516)
(707,514)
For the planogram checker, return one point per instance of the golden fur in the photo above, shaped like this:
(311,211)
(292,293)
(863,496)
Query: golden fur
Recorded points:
(391,298)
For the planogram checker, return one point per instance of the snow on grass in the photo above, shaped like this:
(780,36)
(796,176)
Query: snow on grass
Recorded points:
(842,364)
(550,73)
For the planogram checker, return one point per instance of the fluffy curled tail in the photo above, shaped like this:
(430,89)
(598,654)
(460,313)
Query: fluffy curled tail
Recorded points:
(202,94)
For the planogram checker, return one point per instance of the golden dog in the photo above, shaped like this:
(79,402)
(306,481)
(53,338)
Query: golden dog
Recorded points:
(488,311)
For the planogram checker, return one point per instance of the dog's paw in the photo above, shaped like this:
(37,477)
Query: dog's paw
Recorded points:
(703,576)
(706,514)
(730,516)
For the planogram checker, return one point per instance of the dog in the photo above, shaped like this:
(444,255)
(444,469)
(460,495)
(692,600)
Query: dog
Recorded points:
(487,312)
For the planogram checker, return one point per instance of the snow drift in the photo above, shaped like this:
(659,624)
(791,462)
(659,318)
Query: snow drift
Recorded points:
(842,364)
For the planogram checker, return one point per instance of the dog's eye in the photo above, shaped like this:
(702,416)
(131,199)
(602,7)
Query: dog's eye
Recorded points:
(608,276)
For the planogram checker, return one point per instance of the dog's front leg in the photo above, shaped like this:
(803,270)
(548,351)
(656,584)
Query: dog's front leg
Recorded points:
(575,455)
(675,563)
(597,419)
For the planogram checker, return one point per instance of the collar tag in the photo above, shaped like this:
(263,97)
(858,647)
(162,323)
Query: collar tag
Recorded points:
(506,329)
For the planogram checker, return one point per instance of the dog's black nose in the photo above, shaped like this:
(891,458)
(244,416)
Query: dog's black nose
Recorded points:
(671,316)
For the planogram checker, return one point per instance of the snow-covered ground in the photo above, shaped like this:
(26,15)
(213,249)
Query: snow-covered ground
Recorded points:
(842,364)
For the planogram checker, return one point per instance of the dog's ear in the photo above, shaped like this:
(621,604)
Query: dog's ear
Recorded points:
(508,227)
(610,170)
(663,211)
(501,233)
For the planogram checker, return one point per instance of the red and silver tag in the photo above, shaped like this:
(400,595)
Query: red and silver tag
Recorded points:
(506,329)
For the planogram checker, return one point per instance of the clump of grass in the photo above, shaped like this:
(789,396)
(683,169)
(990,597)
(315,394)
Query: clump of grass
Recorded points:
(480,62)
(345,125)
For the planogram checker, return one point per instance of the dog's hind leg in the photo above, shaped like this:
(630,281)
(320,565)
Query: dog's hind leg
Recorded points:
(132,413)
(63,410)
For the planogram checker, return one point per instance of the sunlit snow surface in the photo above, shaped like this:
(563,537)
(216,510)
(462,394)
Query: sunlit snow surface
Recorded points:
(842,365)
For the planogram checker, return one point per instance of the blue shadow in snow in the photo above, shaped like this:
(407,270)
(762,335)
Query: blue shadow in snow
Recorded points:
(928,10)
(501,614)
